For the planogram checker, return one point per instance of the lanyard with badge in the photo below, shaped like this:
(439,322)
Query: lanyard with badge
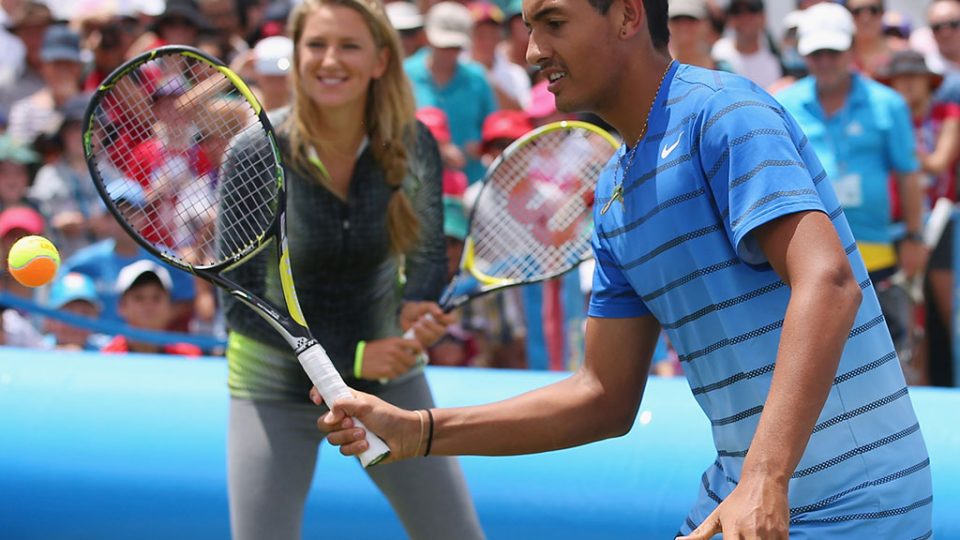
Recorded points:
(847,184)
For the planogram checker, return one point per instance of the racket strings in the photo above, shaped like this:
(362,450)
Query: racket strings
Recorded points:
(161,139)
(532,219)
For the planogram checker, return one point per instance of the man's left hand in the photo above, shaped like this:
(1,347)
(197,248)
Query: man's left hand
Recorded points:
(754,510)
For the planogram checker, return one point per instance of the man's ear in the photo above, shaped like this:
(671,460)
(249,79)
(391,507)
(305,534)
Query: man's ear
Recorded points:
(633,17)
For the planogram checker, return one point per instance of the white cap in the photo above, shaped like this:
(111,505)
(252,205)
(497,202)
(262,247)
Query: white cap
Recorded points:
(791,21)
(449,24)
(130,273)
(688,8)
(825,26)
(153,8)
(273,55)
(404,15)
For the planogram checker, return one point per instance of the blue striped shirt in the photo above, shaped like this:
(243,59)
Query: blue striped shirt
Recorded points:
(722,158)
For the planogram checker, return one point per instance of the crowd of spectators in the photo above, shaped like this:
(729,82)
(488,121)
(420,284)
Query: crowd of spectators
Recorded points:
(887,129)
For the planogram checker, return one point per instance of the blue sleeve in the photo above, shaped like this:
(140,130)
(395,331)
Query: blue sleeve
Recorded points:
(901,144)
(612,296)
(750,150)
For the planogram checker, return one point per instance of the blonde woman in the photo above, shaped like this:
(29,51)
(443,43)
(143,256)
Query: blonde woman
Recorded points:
(365,226)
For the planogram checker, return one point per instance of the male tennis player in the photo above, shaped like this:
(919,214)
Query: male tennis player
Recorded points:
(722,228)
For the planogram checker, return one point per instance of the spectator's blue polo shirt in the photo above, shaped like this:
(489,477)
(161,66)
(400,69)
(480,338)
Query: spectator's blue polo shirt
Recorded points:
(870,137)
(467,99)
(722,158)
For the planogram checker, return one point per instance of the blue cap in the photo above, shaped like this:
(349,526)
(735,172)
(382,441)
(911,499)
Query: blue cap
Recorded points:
(72,286)
(11,150)
(128,191)
(60,43)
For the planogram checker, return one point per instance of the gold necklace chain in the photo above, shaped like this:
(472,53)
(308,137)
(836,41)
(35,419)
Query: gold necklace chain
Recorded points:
(618,191)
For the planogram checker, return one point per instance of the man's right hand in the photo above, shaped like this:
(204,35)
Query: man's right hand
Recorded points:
(399,428)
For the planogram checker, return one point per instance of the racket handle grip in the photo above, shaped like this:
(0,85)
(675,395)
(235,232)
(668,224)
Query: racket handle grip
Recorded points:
(331,386)
(422,358)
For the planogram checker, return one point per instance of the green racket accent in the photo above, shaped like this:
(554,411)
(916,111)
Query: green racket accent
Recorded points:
(289,291)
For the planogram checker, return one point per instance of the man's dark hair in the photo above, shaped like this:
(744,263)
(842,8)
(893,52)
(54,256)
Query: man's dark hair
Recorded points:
(656,19)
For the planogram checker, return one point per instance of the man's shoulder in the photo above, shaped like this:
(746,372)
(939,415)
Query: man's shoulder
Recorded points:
(879,93)
(472,71)
(707,91)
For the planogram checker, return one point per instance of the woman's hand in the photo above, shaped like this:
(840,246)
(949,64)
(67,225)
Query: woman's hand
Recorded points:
(427,329)
(388,358)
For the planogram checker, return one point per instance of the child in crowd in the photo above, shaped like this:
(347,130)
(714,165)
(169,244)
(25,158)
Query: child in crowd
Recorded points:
(144,289)
(103,260)
(73,293)
(16,329)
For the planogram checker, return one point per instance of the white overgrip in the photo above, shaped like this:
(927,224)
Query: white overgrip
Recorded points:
(422,358)
(331,387)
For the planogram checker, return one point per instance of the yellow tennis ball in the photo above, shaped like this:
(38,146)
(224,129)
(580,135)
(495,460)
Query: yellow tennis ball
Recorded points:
(33,261)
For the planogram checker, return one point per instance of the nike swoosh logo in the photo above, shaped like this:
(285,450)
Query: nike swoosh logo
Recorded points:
(667,150)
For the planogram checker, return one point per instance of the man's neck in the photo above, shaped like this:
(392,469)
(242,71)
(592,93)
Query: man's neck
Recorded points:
(747,45)
(867,43)
(441,72)
(920,107)
(632,106)
(832,98)
(953,59)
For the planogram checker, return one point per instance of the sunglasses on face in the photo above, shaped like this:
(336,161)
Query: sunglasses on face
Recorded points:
(824,53)
(941,26)
(872,10)
(177,21)
(740,9)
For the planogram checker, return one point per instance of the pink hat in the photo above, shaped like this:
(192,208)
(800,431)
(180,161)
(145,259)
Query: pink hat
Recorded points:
(436,121)
(21,217)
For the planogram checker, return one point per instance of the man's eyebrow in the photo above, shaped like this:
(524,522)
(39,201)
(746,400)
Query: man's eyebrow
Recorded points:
(542,14)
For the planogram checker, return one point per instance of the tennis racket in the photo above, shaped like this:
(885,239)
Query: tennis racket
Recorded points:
(185,159)
(532,219)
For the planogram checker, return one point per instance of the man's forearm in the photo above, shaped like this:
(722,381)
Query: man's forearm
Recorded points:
(597,402)
(557,416)
(911,201)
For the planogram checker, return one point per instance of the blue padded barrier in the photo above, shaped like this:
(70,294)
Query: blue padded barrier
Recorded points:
(101,447)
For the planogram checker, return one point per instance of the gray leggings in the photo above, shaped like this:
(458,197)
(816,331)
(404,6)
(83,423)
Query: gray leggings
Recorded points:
(272,449)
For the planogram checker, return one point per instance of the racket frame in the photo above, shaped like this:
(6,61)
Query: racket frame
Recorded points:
(292,327)
(448,300)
